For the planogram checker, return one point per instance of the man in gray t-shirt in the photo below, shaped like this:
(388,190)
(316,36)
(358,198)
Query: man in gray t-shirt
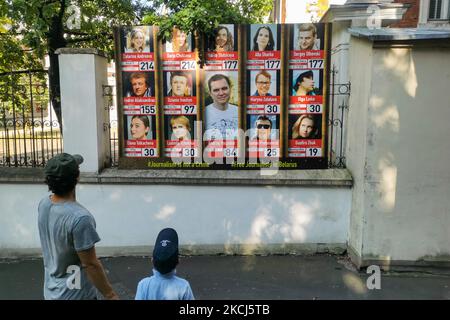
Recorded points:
(68,236)
(221,117)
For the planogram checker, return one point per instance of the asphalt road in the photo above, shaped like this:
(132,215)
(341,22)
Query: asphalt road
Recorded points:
(311,277)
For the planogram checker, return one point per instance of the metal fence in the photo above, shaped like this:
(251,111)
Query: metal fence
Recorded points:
(337,114)
(29,131)
(109,98)
(114,143)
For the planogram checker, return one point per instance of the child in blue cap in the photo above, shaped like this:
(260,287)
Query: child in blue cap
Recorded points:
(164,284)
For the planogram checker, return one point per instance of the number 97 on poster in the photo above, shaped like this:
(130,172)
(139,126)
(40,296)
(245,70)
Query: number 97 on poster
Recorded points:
(189,110)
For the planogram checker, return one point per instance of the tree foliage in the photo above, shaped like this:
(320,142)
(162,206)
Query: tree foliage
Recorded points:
(202,17)
(15,56)
(40,27)
(12,53)
(73,23)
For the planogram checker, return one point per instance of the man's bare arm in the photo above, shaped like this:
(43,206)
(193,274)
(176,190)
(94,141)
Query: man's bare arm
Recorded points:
(96,273)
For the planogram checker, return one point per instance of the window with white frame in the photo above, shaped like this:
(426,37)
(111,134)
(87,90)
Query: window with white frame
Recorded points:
(439,10)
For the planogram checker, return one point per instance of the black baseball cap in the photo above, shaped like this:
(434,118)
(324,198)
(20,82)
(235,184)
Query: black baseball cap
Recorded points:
(165,252)
(63,165)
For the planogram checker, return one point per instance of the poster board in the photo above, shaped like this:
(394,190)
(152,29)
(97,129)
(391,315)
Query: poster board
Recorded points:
(260,97)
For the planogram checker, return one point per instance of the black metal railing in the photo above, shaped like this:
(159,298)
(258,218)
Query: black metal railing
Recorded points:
(29,131)
(114,143)
(109,98)
(337,114)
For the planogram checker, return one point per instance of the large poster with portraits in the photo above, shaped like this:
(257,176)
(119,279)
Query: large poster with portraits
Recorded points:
(221,105)
(138,92)
(259,96)
(306,90)
(180,95)
(263,91)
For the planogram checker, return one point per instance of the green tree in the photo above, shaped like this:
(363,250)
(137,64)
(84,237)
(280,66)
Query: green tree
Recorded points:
(202,17)
(44,26)
(14,56)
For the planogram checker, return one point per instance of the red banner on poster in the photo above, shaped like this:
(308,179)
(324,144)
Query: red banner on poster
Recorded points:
(181,144)
(137,56)
(305,143)
(306,99)
(139,101)
(264,55)
(178,56)
(306,54)
(263,100)
(180,100)
(140,144)
(230,55)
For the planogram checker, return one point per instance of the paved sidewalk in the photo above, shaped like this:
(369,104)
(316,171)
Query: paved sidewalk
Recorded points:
(247,277)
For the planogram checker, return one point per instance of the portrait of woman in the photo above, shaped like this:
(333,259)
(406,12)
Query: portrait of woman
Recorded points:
(139,128)
(180,41)
(304,84)
(263,39)
(223,40)
(306,127)
(180,128)
(137,41)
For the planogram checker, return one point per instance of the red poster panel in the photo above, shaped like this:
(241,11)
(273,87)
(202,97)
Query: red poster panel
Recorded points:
(306,91)
(138,92)
(140,136)
(222,109)
(263,89)
(180,96)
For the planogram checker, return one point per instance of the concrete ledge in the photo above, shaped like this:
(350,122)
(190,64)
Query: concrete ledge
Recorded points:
(326,177)
(21,175)
(386,264)
(432,265)
(193,250)
(234,249)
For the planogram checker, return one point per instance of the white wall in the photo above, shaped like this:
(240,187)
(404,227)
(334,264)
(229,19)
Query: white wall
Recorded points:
(340,41)
(399,151)
(83,106)
(132,215)
(356,150)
